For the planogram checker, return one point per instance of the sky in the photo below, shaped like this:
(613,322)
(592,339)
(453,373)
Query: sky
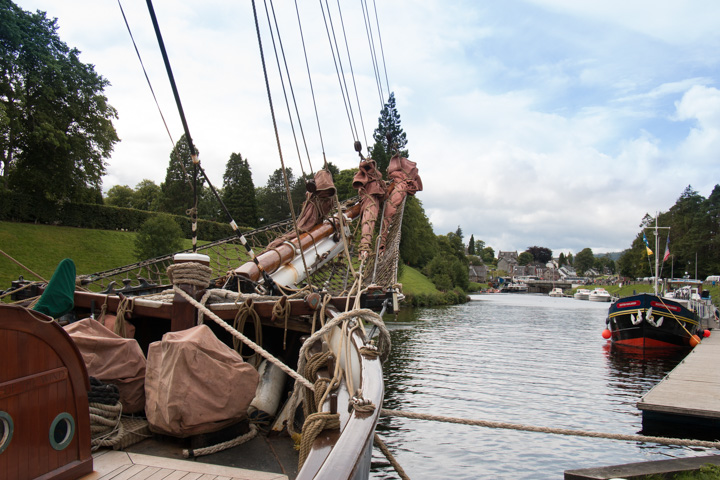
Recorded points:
(552,123)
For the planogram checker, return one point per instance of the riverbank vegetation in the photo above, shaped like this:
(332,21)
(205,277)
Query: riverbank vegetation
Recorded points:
(688,241)
(40,248)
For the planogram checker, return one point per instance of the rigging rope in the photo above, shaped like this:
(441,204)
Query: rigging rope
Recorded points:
(373,56)
(336,61)
(292,90)
(382,51)
(352,74)
(558,431)
(277,140)
(127,25)
(312,90)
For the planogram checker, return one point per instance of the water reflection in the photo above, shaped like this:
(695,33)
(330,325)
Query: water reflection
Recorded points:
(522,359)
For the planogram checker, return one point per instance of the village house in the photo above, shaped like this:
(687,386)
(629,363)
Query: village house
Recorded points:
(507,261)
(478,273)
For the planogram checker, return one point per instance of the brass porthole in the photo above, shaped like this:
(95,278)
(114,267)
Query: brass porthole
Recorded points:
(6,430)
(62,431)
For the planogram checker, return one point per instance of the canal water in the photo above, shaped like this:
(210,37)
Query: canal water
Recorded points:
(517,358)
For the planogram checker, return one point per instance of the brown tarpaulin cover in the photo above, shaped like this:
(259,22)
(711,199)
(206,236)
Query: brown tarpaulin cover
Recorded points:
(112,359)
(318,203)
(404,174)
(371,188)
(196,384)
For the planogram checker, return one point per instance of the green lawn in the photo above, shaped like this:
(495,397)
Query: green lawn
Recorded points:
(41,247)
(415,282)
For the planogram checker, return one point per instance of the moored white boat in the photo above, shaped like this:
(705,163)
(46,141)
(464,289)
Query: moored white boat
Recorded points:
(556,292)
(582,294)
(599,295)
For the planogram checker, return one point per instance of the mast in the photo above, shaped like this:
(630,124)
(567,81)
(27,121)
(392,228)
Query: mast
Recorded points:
(657,241)
(657,257)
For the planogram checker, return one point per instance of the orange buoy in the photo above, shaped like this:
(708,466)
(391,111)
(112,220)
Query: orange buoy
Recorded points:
(606,334)
(694,340)
(706,333)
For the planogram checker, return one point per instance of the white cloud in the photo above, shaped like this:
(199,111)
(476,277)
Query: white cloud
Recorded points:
(541,122)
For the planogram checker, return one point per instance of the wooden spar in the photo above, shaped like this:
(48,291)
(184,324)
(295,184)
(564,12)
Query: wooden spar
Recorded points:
(272,259)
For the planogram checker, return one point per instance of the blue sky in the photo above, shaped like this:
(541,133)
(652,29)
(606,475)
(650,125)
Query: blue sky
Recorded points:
(555,123)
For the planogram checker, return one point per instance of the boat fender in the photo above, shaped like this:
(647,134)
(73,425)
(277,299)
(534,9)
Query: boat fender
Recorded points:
(268,393)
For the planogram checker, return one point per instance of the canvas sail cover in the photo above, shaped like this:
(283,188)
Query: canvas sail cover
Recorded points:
(196,384)
(112,359)
(318,202)
(371,188)
(59,295)
(404,174)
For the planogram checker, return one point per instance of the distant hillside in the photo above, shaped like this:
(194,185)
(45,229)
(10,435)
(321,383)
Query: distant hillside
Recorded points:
(615,256)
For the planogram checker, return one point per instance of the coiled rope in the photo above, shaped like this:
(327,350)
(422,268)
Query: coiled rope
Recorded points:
(558,431)
(187,453)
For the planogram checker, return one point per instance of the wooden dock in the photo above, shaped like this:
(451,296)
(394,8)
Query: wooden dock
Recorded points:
(691,392)
(117,465)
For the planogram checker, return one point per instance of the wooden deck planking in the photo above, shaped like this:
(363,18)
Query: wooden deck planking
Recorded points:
(117,465)
(693,387)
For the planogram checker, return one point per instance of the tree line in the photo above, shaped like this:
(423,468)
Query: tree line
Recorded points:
(692,242)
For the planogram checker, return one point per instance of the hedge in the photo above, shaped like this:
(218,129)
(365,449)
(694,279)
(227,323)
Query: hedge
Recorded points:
(19,207)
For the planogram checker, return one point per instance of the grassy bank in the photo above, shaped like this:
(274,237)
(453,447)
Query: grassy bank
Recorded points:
(41,247)
(421,292)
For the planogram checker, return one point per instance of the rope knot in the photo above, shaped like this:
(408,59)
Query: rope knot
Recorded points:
(369,351)
(361,405)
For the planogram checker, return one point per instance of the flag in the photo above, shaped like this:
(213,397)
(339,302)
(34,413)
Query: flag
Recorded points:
(667,249)
(647,246)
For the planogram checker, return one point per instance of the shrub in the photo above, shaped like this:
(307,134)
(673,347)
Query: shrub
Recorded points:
(159,235)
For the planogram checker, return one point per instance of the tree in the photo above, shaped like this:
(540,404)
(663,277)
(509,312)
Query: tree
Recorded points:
(239,191)
(525,258)
(389,136)
(474,260)
(488,255)
(343,184)
(177,190)
(562,261)
(120,196)
(540,254)
(56,128)
(418,243)
(471,245)
(447,271)
(159,235)
(272,199)
(147,196)
(584,260)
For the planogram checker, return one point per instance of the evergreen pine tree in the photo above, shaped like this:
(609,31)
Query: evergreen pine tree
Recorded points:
(389,136)
(471,245)
(177,194)
(272,199)
(239,191)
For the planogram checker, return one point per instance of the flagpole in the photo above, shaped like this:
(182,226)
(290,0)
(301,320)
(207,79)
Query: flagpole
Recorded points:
(656,254)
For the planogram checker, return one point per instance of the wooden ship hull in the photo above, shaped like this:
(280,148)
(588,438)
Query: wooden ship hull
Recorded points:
(148,307)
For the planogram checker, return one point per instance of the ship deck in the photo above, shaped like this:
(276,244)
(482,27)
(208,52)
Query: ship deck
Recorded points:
(125,465)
